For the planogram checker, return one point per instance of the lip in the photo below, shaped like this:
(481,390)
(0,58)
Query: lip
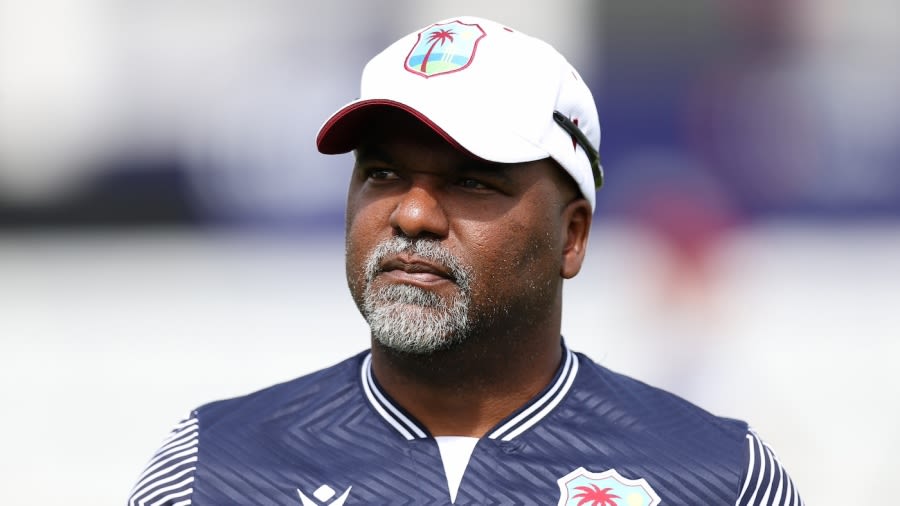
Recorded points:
(414,270)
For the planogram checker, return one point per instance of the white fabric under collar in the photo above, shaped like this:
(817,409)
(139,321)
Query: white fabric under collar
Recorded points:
(455,454)
(533,413)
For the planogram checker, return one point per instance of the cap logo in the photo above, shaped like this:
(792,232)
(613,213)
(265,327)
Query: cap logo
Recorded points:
(444,48)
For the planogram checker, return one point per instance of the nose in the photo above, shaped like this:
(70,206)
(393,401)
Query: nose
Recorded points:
(419,212)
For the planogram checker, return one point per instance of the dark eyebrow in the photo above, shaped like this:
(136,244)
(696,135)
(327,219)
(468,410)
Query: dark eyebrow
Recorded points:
(486,168)
(472,166)
(372,153)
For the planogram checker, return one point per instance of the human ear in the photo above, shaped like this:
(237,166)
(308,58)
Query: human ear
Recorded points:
(576,219)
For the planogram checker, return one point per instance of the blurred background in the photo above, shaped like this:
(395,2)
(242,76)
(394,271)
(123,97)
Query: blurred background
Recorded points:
(169,234)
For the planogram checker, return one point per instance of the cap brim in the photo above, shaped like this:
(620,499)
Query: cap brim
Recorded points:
(342,132)
(468,131)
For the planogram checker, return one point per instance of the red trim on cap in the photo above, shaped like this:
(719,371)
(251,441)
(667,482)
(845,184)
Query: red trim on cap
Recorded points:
(341,133)
(574,140)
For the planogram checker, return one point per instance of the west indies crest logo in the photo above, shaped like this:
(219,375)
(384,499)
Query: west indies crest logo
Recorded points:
(444,48)
(609,488)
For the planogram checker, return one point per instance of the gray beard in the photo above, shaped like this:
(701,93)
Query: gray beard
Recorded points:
(410,319)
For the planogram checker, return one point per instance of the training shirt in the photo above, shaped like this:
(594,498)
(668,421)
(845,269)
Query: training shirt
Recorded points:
(592,437)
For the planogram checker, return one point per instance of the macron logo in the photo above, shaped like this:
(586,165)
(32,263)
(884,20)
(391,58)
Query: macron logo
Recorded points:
(324,494)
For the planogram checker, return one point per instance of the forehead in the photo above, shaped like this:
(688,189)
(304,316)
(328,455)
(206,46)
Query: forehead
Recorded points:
(404,143)
(389,127)
(396,136)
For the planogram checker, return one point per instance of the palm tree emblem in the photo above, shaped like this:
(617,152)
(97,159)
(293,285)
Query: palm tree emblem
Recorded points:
(584,488)
(443,48)
(435,37)
(595,496)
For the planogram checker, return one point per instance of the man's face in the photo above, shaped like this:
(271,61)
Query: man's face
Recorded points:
(441,246)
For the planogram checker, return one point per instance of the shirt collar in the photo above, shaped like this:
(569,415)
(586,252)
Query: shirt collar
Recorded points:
(523,419)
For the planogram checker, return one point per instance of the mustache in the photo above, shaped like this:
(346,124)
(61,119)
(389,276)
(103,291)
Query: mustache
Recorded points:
(427,249)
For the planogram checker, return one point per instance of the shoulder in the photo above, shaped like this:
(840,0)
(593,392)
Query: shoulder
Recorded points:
(766,481)
(303,394)
(654,409)
(626,420)
(686,437)
(169,476)
(169,479)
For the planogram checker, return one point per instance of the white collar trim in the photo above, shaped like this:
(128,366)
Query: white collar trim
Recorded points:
(540,408)
(527,418)
(391,413)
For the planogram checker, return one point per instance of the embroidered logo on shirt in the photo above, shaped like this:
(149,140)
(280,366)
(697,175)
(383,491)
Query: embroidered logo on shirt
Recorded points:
(324,494)
(609,488)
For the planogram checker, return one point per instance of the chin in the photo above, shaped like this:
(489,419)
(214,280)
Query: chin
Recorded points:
(415,321)
(415,344)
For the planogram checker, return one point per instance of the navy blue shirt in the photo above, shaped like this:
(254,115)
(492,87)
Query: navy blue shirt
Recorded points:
(591,438)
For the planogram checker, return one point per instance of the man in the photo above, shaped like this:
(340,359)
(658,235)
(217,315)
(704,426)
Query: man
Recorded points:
(470,202)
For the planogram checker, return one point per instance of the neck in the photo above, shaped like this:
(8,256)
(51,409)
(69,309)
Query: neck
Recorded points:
(467,390)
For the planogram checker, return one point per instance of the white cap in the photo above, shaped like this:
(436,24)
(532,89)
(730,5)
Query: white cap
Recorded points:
(485,88)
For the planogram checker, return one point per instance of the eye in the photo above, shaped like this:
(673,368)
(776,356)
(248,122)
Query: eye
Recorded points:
(472,184)
(381,174)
